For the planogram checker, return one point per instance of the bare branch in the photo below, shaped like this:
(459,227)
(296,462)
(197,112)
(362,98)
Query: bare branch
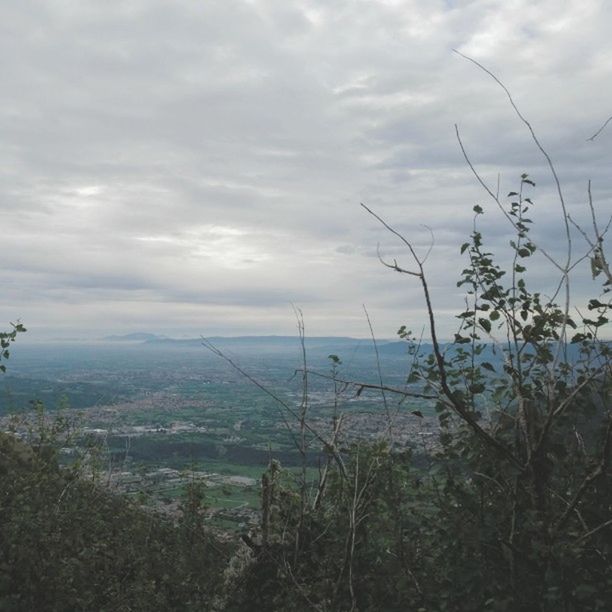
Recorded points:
(599,261)
(375,387)
(213,349)
(595,473)
(401,237)
(394,265)
(593,531)
(496,199)
(431,244)
(458,406)
(568,237)
(323,479)
(600,130)
(380,378)
(538,145)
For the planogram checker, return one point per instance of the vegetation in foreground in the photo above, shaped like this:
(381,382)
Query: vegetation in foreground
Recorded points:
(514,512)
(70,544)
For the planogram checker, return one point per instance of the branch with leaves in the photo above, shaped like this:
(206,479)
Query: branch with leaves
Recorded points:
(6,339)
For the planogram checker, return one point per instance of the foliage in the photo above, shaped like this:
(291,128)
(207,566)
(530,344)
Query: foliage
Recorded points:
(70,544)
(6,338)
(515,510)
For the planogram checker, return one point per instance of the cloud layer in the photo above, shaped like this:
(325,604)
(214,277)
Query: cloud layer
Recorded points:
(196,167)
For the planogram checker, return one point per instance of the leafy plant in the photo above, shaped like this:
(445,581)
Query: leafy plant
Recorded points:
(69,543)
(514,512)
(6,339)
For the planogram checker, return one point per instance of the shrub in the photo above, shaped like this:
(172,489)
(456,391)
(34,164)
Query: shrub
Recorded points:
(514,513)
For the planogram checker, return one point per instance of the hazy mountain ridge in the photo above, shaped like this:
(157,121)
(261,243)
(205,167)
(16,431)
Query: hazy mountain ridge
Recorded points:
(133,337)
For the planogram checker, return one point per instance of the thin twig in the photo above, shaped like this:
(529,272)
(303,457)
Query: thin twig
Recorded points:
(592,532)
(600,130)
(375,387)
(380,378)
(496,199)
(456,404)
(590,477)
(568,237)
(211,347)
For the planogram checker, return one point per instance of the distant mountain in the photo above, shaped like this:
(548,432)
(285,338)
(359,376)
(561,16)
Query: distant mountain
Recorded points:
(257,340)
(135,337)
(393,348)
(315,344)
(174,341)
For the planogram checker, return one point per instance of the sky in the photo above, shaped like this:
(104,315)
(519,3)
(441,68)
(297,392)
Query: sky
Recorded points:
(197,166)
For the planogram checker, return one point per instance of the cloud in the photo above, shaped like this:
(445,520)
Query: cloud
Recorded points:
(187,161)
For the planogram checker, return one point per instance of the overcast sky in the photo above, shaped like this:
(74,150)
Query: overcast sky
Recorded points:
(196,166)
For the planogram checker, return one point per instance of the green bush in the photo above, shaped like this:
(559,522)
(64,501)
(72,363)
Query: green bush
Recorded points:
(514,512)
(69,544)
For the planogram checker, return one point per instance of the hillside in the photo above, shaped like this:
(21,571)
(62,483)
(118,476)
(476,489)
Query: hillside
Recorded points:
(69,544)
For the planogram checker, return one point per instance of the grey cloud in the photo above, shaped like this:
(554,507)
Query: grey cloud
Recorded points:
(131,129)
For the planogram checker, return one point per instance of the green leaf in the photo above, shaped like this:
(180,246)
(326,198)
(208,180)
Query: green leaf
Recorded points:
(412,377)
(596,304)
(485,324)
